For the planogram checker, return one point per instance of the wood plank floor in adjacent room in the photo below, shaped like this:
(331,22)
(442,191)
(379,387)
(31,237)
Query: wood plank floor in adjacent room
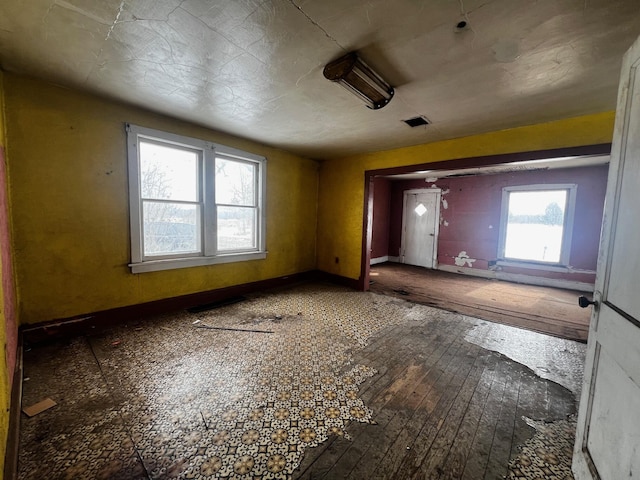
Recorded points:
(543,309)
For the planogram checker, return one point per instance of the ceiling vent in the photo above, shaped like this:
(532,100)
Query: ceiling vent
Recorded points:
(416,121)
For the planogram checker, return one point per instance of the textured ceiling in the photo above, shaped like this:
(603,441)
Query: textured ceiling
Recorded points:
(254,68)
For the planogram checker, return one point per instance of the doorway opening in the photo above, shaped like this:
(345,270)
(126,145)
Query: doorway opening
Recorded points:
(507,217)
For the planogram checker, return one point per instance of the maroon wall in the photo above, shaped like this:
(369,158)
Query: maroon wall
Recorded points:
(471,220)
(380,227)
(8,288)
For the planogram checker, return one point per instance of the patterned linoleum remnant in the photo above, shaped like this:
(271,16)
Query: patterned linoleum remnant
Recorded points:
(166,399)
(547,456)
(170,400)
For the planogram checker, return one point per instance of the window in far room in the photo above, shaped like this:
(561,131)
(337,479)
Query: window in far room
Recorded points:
(536,223)
(193,202)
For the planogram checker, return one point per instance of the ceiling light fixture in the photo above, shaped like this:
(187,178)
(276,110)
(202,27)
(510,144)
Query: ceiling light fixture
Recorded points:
(356,76)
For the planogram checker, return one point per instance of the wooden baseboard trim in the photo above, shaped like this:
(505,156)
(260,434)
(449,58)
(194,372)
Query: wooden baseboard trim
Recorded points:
(13,434)
(520,278)
(95,321)
(375,261)
(338,279)
(92,322)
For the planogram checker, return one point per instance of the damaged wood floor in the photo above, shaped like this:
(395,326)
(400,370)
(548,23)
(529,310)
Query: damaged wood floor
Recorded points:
(311,382)
(542,309)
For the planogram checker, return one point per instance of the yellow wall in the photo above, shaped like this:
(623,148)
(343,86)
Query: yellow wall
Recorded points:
(68,187)
(5,391)
(341,194)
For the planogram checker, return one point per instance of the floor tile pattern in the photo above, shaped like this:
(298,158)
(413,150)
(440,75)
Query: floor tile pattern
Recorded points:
(194,402)
(548,454)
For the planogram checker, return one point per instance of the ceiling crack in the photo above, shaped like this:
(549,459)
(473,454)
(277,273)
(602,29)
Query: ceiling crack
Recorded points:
(305,75)
(316,24)
(115,21)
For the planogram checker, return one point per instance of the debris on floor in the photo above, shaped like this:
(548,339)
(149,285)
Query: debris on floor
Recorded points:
(401,292)
(39,407)
(209,327)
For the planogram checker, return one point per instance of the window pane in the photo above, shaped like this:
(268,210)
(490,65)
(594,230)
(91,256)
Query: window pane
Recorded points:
(236,228)
(168,173)
(535,225)
(170,228)
(235,182)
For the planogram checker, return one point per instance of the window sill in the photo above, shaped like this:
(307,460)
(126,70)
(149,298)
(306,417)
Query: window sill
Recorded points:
(175,263)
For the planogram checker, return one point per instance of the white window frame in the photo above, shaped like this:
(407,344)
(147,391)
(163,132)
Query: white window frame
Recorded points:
(208,151)
(567,227)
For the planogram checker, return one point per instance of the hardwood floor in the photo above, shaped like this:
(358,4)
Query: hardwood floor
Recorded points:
(541,309)
(443,408)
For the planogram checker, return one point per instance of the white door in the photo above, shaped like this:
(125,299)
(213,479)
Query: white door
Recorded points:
(608,436)
(420,221)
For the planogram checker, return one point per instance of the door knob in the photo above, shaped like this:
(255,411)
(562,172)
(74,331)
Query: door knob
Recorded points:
(584,302)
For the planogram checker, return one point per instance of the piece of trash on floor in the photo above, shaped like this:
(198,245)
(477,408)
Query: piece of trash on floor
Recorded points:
(138,328)
(195,321)
(401,292)
(278,317)
(39,407)
(209,327)
(26,379)
(115,343)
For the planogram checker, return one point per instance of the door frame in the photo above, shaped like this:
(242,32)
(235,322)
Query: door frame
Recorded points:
(436,230)
(362,283)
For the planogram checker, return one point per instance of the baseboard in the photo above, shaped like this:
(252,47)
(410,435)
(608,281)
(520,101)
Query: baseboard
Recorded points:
(95,321)
(546,282)
(90,322)
(13,433)
(338,279)
(393,259)
(520,278)
(375,261)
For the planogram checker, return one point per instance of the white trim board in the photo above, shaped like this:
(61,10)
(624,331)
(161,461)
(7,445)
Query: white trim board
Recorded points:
(520,278)
(375,261)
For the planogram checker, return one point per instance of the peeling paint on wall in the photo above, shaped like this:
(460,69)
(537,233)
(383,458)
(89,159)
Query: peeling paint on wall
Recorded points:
(446,224)
(463,259)
(431,180)
(445,204)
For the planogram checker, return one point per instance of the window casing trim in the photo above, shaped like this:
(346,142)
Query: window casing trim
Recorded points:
(209,254)
(567,227)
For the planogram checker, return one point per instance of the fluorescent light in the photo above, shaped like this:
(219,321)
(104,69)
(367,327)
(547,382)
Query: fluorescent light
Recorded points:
(357,77)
